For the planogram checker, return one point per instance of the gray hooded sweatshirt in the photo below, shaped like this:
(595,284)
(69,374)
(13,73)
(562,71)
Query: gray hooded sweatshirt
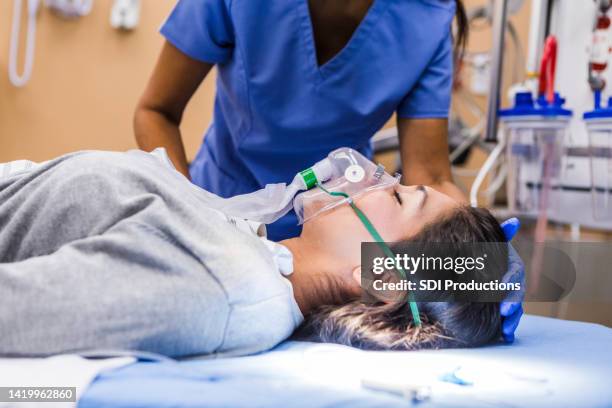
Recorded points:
(102,250)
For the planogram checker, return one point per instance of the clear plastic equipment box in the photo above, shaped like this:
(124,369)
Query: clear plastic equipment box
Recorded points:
(535,132)
(599,126)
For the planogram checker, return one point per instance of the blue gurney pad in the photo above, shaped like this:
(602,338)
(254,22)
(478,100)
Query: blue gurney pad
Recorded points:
(552,363)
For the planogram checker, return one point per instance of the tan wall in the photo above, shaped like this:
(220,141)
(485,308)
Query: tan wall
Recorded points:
(87,79)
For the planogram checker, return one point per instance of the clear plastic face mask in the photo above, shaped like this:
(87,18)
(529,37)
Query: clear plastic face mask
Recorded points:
(354,176)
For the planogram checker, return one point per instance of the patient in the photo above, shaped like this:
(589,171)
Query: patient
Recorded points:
(104,250)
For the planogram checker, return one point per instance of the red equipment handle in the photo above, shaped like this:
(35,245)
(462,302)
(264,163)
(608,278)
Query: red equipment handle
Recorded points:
(548,69)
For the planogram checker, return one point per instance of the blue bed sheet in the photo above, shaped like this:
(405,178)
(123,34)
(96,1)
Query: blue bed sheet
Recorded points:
(552,363)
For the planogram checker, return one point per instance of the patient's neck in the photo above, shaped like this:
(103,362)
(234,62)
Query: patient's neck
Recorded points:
(314,283)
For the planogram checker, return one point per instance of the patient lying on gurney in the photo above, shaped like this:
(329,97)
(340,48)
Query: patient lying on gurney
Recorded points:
(118,251)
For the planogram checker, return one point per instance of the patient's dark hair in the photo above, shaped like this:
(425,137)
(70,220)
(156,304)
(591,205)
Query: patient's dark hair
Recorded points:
(389,326)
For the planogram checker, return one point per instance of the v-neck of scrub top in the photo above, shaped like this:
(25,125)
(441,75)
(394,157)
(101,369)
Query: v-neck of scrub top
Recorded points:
(343,56)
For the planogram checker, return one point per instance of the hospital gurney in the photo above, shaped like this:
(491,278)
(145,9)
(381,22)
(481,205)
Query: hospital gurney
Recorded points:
(552,363)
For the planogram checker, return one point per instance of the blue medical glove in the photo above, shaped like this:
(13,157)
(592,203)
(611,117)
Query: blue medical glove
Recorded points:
(511,308)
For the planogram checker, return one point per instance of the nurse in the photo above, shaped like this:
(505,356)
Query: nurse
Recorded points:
(300,78)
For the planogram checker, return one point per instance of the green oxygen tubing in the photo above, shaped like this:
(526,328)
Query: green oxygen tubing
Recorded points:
(379,241)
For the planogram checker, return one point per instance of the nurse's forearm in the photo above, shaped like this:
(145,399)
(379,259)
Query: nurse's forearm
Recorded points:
(424,152)
(158,115)
(153,129)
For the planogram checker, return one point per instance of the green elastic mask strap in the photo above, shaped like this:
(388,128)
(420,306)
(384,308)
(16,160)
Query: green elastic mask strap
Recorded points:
(381,244)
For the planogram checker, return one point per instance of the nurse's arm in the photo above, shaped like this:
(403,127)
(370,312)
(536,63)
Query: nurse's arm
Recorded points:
(424,154)
(160,110)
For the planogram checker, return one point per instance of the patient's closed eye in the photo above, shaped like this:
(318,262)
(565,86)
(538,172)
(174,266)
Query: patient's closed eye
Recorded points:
(397,197)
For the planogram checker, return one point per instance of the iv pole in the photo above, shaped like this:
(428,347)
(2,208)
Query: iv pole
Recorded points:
(500,20)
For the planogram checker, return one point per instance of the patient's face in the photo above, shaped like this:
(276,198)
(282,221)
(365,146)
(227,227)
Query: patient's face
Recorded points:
(397,213)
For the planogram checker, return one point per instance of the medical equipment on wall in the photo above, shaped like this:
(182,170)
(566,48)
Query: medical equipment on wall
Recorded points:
(70,8)
(17,79)
(125,14)
(584,33)
(599,127)
(600,48)
(65,8)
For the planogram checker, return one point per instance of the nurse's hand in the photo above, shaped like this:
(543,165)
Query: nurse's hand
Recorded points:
(511,309)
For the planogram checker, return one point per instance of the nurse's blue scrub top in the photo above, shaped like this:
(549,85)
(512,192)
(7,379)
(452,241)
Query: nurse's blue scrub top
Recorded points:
(278,112)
